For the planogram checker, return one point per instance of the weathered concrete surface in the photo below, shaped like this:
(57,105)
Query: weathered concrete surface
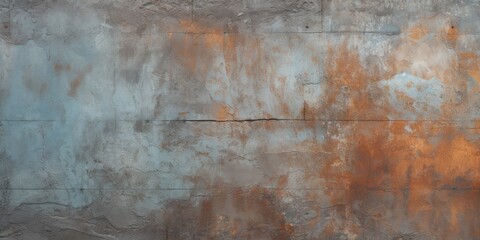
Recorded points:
(258,16)
(211,119)
(393,17)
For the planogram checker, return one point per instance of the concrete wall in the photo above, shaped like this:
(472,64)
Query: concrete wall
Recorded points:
(239,119)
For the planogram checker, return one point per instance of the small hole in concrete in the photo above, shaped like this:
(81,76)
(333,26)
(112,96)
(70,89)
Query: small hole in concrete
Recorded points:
(306,27)
(453,27)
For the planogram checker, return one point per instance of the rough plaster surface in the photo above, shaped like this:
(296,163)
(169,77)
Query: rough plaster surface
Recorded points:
(239,119)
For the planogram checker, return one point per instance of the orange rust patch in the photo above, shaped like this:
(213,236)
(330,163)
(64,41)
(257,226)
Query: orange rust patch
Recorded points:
(223,113)
(384,159)
(195,53)
(195,27)
(383,154)
(475,74)
(351,91)
(347,88)
(417,32)
(450,33)
(468,61)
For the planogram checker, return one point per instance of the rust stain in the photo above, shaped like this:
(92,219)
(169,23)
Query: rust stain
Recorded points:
(195,27)
(450,34)
(195,53)
(282,181)
(426,51)
(347,84)
(58,67)
(364,166)
(223,113)
(75,83)
(415,167)
(385,159)
(369,170)
(232,43)
(417,32)
(431,54)
(469,62)
(229,213)
(242,56)
(183,115)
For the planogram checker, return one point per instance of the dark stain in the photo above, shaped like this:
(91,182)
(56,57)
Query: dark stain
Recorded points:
(133,55)
(58,67)
(142,126)
(110,127)
(5,176)
(92,142)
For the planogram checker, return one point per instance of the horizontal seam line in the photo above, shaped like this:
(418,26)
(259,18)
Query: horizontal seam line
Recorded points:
(213,188)
(312,32)
(301,120)
(241,120)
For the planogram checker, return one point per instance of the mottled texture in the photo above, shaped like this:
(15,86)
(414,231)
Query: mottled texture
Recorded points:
(239,119)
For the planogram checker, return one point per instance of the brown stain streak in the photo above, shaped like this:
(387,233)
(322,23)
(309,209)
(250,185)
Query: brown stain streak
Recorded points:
(75,83)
